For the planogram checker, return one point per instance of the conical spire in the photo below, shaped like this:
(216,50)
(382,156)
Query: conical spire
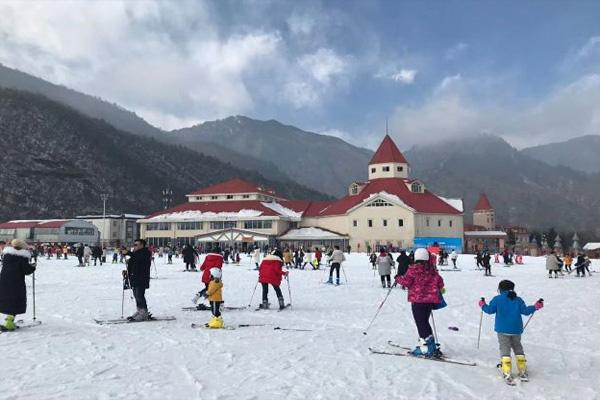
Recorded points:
(483,203)
(388,152)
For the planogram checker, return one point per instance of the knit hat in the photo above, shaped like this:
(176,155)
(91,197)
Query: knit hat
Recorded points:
(19,244)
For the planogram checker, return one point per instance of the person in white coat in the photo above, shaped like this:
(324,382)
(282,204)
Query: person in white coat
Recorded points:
(454,257)
(256,258)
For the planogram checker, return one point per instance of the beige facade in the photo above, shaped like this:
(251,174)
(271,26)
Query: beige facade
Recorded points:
(388,170)
(485,219)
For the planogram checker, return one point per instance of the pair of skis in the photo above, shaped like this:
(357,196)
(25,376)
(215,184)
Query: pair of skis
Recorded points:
(128,321)
(408,353)
(233,327)
(21,325)
(278,310)
(208,308)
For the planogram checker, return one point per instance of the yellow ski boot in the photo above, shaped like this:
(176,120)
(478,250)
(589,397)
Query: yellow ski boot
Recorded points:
(505,368)
(9,323)
(216,323)
(522,367)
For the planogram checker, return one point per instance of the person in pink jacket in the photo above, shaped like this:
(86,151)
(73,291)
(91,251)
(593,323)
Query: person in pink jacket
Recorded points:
(425,286)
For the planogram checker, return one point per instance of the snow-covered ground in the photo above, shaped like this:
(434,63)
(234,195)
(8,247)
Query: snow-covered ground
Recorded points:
(71,357)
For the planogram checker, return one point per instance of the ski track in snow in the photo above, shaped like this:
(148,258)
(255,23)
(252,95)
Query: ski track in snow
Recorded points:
(69,356)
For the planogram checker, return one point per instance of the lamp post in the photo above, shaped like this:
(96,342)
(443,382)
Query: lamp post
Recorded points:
(104,197)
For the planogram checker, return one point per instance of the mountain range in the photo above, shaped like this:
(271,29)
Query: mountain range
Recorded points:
(555,185)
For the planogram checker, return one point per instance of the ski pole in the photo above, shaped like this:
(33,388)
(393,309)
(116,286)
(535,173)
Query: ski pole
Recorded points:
(252,297)
(33,290)
(287,279)
(480,321)
(435,336)
(379,308)
(344,271)
(529,319)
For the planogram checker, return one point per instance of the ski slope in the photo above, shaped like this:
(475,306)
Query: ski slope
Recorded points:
(69,356)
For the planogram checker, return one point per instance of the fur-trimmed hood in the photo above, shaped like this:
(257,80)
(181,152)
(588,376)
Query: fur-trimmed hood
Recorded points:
(15,252)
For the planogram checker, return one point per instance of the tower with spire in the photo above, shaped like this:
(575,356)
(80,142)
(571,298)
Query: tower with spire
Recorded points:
(388,161)
(483,214)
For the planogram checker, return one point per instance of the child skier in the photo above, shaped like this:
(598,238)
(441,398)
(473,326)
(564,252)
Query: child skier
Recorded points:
(215,298)
(212,260)
(13,295)
(270,273)
(373,260)
(384,267)
(424,285)
(508,308)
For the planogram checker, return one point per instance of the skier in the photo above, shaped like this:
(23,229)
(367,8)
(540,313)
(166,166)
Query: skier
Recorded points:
(13,295)
(138,270)
(215,298)
(425,286)
(508,308)
(384,266)
(373,260)
(79,254)
(485,260)
(454,257)
(553,264)
(256,257)
(317,257)
(87,253)
(270,273)
(337,258)
(189,255)
(226,255)
(287,257)
(212,260)
(479,259)
(170,255)
(581,265)
(403,261)
(115,257)
(568,260)
(97,254)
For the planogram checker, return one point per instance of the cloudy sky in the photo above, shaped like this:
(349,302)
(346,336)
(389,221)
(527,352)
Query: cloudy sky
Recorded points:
(528,71)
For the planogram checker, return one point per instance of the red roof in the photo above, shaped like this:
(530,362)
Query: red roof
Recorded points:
(16,224)
(387,152)
(235,185)
(218,206)
(483,203)
(51,224)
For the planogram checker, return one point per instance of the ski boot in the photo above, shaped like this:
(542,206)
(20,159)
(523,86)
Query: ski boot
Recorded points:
(522,367)
(337,281)
(281,303)
(9,323)
(215,323)
(421,349)
(134,315)
(505,368)
(264,305)
(330,280)
(143,315)
(196,298)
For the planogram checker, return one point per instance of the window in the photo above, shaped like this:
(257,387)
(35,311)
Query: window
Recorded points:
(158,226)
(416,187)
(400,223)
(222,224)
(399,169)
(258,224)
(354,189)
(79,231)
(189,226)
(229,196)
(386,169)
(370,223)
(214,197)
(198,198)
(439,222)
(246,196)
(355,223)
(427,221)
(7,231)
(450,223)
(379,203)
(373,170)
(385,222)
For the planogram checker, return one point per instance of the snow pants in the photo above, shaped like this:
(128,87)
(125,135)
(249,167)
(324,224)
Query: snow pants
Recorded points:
(334,267)
(139,293)
(265,292)
(215,308)
(421,313)
(384,279)
(508,342)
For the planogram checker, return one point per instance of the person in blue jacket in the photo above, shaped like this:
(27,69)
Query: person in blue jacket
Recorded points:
(508,308)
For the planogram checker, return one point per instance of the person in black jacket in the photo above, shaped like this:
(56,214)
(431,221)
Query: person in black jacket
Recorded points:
(79,254)
(138,271)
(13,295)
(189,256)
(403,261)
(97,254)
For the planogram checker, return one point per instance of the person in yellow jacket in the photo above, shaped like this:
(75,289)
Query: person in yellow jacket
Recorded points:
(568,261)
(215,298)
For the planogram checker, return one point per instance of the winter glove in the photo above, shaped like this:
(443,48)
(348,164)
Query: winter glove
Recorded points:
(482,302)
(539,304)
(443,290)
(397,279)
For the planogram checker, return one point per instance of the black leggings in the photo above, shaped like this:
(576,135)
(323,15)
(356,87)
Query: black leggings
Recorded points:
(384,279)
(555,272)
(215,307)
(140,298)
(334,267)
(265,291)
(189,265)
(421,313)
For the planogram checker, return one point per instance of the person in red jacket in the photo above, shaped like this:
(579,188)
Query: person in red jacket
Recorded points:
(270,273)
(425,286)
(212,260)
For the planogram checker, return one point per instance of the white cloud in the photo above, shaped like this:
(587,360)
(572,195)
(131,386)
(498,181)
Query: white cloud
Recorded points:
(455,51)
(405,76)
(590,47)
(324,65)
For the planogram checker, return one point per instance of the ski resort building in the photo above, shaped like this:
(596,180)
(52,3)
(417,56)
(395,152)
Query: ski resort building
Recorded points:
(389,209)
(62,231)
(115,229)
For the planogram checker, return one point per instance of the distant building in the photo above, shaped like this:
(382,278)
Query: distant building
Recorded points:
(390,209)
(115,229)
(50,231)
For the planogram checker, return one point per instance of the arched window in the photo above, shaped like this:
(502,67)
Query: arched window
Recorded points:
(416,187)
(379,203)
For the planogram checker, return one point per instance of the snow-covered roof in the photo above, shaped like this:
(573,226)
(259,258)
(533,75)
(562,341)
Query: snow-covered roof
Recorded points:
(456,203)
(283,211)
(311,233)
(485,233)
(209,215)
(592,246)
(109,216)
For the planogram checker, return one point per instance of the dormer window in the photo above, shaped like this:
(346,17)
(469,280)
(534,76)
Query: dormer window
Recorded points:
(229,196)
(386,169)
(399,169)
(354,189)
(373,170)
(416,187)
